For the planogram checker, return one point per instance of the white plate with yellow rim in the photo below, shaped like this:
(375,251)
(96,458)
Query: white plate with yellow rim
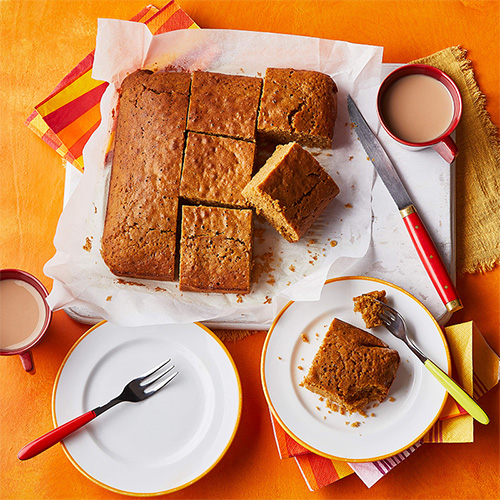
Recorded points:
(166,442)
(415,399)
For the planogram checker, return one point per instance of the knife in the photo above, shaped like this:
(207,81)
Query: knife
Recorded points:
(424,245)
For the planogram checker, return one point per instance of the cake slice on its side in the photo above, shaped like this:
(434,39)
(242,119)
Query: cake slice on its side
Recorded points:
(291,190)
(352,368)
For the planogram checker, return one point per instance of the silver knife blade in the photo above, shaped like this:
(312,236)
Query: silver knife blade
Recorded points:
(379,157)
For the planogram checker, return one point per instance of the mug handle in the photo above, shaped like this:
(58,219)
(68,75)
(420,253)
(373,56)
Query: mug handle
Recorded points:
(26,360)
(447,149)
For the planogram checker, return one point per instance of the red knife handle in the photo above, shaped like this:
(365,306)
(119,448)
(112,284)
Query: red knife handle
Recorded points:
(54,436)
(431,259)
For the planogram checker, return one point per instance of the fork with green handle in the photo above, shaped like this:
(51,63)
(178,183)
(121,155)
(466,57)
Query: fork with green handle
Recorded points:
(395,323)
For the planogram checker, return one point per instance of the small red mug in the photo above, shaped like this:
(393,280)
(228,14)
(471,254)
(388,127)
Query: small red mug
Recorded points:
(24,350)
(443,143)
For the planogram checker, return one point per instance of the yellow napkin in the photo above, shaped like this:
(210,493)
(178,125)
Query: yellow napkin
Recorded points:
(477,370)
(477,168)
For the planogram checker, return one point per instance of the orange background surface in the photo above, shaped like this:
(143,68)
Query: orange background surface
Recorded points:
(41,41)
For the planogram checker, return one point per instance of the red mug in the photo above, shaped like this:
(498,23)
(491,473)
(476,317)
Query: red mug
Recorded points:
(442,143)
(37,291)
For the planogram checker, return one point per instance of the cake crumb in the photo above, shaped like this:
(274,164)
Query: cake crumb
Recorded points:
(372,414)
(300,367)
(268,300)
(292,268)
(348,205)
(318,408)
(324,417)
(108,298)
(351,158)
(305,338)
(355,424)
(280,358)
(333,243)
(370,309)
(88,244)
(239,298)
(321,398)
(391,399)
(159,289)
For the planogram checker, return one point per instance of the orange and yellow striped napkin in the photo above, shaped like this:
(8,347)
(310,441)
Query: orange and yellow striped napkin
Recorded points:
(475,367)
(66,119)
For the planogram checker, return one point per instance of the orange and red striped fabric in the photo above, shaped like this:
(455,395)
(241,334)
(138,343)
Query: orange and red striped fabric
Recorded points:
(66,119)
(475,366)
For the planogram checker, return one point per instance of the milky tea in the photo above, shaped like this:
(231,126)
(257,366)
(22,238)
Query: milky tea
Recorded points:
(22,314)
(417,108)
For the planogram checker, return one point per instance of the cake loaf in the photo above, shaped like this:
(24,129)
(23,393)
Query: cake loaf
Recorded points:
(140,228)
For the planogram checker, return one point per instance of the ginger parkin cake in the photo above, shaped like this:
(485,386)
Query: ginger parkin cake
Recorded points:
(291,190)
(352,368)
(216,169)
(216,249)
(298,105)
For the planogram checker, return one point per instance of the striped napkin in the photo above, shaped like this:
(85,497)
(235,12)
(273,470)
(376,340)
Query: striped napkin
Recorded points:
(67,118)
(475,367)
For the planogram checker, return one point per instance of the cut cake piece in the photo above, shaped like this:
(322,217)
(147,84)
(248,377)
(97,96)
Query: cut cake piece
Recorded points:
(216,169)
(291,190)
(352,367)
(298,105)
(215,249)
(139,236)
(224,105)
(369,308)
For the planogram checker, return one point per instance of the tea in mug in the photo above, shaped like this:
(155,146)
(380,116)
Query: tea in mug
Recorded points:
(22,314)
(417,108)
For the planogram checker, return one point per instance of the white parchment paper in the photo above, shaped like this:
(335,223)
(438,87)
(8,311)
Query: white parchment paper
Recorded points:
(282,271)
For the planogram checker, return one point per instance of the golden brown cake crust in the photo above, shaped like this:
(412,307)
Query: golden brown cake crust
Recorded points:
(298,105)
(216,250)
(139,236)
(291,191)
(352,367)
(216,169)
(224,105)
(370,309)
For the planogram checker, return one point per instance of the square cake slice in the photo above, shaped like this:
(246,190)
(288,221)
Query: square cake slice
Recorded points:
(352,368)
(215,250)
(291,190)
(224,105)
(216,169)
(298,105)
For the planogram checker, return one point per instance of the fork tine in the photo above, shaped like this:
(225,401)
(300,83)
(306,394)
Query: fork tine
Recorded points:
(156,375)
(159,384)
(153,370)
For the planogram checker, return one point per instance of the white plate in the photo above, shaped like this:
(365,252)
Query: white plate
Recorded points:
(415,399)
(166,442)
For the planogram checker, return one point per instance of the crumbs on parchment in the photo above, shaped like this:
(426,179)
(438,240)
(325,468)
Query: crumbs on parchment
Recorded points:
(333,243)
(88,244)
(239,298)
(304,337)
(108,298)
(292,268)
(348,205)
(268,300)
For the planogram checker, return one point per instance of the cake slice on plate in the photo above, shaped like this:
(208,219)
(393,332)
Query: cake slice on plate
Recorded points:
(352,368)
